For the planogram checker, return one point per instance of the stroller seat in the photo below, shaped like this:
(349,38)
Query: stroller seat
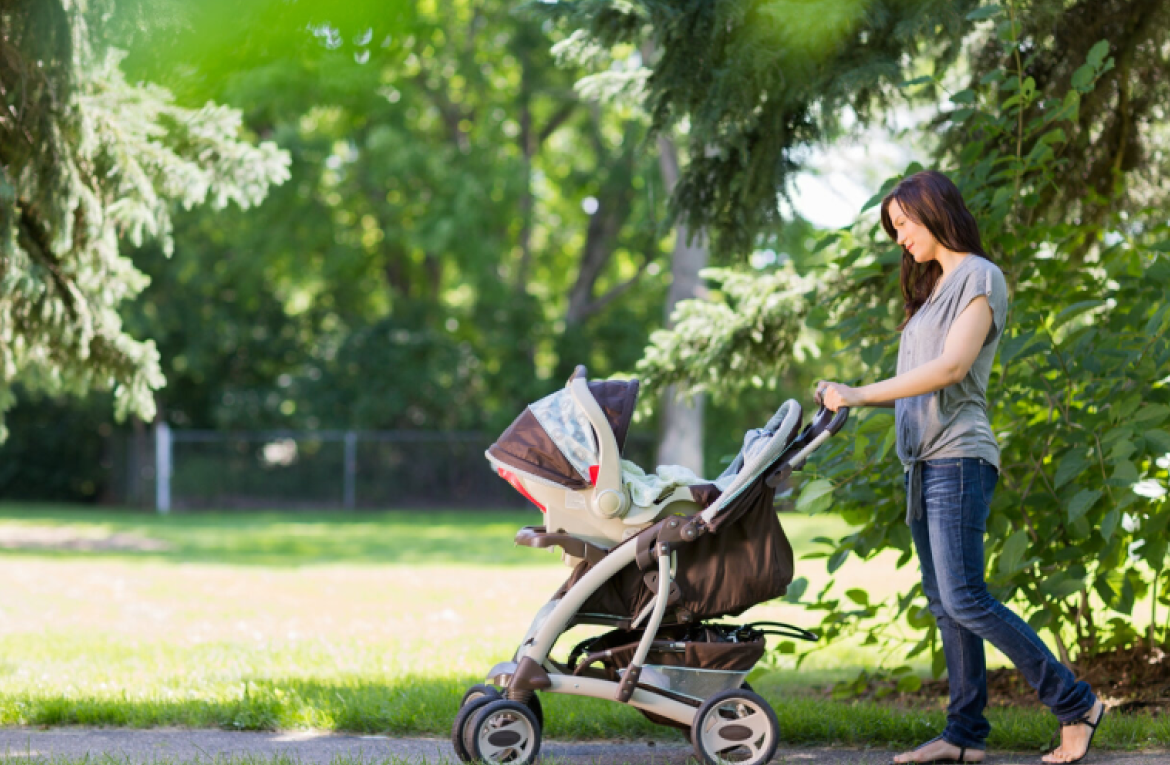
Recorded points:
(563,453)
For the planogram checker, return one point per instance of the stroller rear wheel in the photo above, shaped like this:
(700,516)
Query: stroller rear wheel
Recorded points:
(479,690)
(735,727)
(502,732)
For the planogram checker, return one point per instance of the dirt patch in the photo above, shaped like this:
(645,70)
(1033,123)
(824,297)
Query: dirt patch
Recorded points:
(71,539)
(1128,679)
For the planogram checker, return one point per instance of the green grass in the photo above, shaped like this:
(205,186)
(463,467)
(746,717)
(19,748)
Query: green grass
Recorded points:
(373,623)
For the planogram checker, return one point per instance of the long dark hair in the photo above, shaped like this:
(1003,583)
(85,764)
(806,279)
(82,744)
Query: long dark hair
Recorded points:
(931,200)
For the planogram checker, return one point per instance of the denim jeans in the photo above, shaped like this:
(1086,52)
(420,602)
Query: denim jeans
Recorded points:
(949,539)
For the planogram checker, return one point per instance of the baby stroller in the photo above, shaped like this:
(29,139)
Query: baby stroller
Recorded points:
(656,569)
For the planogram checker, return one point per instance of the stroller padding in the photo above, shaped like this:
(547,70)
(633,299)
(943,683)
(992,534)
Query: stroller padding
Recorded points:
(705,494)
(748,561)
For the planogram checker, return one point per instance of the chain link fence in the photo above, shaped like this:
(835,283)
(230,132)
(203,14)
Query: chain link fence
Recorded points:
(192,470)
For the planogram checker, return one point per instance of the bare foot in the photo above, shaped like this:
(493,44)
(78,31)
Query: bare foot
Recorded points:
(939,749)
(1074,739)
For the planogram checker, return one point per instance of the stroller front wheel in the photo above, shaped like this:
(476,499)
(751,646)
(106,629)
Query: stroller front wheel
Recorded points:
(503,732)
(736,727)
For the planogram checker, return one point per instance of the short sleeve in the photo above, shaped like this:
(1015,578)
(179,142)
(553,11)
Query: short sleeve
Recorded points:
(987,280)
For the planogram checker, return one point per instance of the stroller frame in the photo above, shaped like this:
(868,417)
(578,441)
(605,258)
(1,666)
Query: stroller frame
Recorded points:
(487,713)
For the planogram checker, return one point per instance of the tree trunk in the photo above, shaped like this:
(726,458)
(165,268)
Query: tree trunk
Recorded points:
(681,435)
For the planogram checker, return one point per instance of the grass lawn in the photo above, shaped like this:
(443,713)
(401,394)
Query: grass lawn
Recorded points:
(368,622)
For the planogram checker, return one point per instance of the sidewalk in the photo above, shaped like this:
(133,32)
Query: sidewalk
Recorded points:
(172,745)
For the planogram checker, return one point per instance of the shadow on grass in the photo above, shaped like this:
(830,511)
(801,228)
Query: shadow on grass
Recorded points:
(272,538)
(425,536)
(422,706)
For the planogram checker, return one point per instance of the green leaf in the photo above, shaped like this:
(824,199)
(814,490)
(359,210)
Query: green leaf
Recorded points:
(1059,587)
(1074,310)
(874,200)
(1012,554)
(1155,322)
(1039,620)
(1154,413)
(1081,503)
(916,81)
(965,96)
(813,491)
(1122,450)
(985,12)
(1014,345)
(836,560)
(860,597)
(1071,465)
(1124,473)
(1109,524)
(826,240)
(909,683)
(1098,53)
(796,589)
(1159,441)
(1083,77)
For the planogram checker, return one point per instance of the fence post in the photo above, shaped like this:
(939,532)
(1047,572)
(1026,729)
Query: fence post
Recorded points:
(162,467)
(350,468)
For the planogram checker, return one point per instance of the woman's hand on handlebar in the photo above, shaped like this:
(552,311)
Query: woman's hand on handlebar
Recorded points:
(834,395)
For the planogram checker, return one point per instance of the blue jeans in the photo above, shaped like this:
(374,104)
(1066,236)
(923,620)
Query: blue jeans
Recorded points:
(949,539)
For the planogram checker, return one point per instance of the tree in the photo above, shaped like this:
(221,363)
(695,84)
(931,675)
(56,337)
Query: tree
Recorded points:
(1077,532)
(430,263)
(86,159)
(754,81)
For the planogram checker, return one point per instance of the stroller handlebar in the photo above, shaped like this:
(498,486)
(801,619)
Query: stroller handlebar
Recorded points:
(832,421)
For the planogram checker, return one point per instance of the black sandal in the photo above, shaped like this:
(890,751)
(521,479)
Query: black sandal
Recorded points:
(941,760)
(1081,721)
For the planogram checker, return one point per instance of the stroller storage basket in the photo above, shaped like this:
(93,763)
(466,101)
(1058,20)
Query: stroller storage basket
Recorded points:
(695,683)
(722,648)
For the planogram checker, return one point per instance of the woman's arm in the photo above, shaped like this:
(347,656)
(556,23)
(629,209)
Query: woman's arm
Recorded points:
(964,341)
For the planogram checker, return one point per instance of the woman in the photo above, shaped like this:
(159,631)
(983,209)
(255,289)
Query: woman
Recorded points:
(955,303)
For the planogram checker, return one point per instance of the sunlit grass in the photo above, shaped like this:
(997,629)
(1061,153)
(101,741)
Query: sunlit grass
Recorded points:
(372,623)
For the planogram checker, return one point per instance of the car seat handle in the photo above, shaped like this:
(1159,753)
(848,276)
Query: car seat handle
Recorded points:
(580,371)
(609,496)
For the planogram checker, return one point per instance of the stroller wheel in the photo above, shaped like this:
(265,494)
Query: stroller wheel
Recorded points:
(503,732)
(479,690)
(735,727)
(466,712)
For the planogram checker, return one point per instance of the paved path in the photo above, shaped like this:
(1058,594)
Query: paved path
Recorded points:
(163,745)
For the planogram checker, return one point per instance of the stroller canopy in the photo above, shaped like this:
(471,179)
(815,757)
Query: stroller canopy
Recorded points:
(553,441)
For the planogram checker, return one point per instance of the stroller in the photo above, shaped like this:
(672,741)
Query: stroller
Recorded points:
(656,569)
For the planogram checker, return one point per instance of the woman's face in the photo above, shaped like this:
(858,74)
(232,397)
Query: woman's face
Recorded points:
(915,237)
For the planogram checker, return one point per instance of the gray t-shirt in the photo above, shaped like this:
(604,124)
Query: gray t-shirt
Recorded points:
(951,422)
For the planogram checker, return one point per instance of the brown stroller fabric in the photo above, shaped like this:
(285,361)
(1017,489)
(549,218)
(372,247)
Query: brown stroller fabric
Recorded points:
(526,446)
(745,561)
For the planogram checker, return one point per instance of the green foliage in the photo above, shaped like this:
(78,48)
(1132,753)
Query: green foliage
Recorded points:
(752,80)
(420,267)
(87,159)
(731,342)
(1078,399)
